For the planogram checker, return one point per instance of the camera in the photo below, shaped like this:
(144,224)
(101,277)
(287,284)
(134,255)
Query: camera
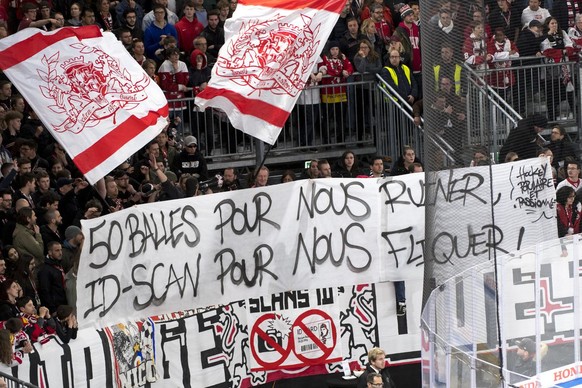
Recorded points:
(275,335)
(213,183)
(147,189)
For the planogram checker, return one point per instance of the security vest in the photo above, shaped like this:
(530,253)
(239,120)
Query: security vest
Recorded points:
(457,78)
(394,76)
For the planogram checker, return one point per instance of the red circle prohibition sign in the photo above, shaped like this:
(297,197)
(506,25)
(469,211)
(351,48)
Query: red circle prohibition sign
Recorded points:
(326,350)
(260,333)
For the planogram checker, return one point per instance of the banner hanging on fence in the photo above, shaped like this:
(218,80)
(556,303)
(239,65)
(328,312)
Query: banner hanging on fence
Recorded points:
(482,213)
(176,255)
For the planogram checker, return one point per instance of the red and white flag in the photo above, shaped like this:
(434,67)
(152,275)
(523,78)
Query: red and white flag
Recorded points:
(93,97)
(271,47)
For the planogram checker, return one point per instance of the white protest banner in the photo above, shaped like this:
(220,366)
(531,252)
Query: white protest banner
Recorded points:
(482,213)
(293,329)
(270,49)
(402,237)
(172,256)
(213,346)
(84,362)
(92,96)
(210,347)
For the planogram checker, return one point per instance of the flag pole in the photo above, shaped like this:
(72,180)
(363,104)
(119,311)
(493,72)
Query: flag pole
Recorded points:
(262,154)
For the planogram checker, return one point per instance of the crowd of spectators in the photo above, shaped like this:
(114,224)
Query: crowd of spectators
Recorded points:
(177,43)
(43,196)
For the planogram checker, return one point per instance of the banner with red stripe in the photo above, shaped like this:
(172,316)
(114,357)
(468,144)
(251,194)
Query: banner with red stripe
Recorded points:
(271,47)
(92,96)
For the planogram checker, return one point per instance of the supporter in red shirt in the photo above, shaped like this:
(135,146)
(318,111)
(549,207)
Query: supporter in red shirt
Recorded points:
(384,28)
(188,28)
(386,14)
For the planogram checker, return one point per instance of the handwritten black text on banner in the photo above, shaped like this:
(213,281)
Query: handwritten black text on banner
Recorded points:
(171,256)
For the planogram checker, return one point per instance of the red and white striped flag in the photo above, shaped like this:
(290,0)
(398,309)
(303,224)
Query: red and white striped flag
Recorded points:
(93,97)
(271,47)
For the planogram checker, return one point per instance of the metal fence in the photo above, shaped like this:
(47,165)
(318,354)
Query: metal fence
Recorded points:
(317,130)
(373,122)
(397,116)
(13,382)
(498,98)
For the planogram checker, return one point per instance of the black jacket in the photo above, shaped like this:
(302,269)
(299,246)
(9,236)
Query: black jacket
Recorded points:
(388,382)
(51,284)
(185,163)
(523,139)
(528,45)
(561,150)
(404,87)
(64,332)
(398,167)
(213,38)
(8,310)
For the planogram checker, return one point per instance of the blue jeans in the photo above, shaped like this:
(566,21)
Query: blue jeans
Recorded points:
(399,288)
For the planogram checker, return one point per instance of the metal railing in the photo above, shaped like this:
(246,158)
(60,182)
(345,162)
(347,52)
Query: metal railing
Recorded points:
(533,86)
(488,129)
(312,130)
(374,122)
(397,113)
(13,382)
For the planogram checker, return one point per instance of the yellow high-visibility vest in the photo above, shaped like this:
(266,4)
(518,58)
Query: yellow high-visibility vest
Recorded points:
(456,81)
(395,77)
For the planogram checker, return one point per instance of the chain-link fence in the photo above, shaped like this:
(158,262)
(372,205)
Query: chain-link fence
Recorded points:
(475,91)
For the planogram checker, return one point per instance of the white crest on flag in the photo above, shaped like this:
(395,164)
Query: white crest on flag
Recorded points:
(89,88)
(271,54)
